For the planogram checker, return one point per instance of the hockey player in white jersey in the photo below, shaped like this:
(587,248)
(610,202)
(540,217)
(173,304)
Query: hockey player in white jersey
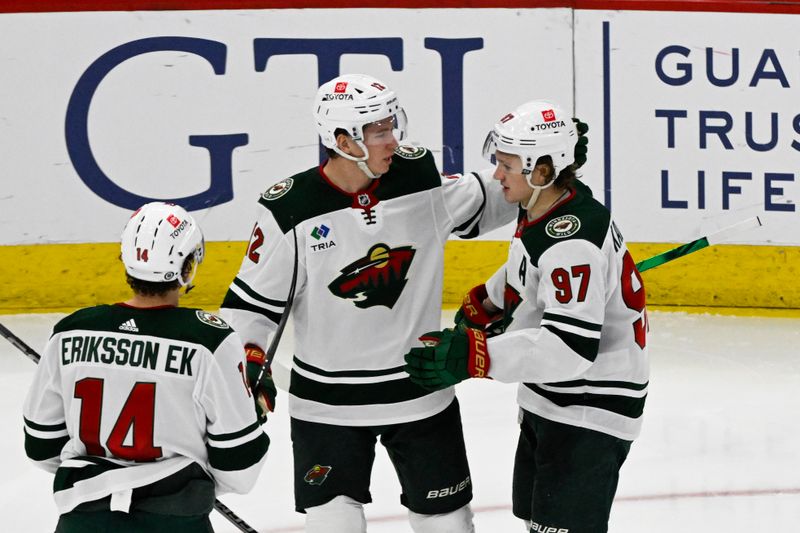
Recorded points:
(371,224)
(573,308)
(141,408)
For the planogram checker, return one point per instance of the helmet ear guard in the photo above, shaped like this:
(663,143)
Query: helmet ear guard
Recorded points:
(158,240)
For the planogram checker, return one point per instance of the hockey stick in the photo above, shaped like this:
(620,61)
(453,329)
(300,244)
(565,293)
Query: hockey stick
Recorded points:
(697,244)
(31,354)
(273,346)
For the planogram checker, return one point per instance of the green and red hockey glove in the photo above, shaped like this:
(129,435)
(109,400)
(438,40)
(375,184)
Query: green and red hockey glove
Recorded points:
(473,314)
(582,146)
(264,391)
(447,358)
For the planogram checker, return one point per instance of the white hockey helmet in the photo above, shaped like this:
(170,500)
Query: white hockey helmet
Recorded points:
(533,130)
(157,240)
(350,102)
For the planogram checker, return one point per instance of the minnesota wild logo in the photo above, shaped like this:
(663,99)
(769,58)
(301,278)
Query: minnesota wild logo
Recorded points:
(378,278)
(211,320)
(278,190)
(563,226)
(317,475)
(407,151)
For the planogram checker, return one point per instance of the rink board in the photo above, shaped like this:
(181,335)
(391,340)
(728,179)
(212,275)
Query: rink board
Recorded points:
(753,279)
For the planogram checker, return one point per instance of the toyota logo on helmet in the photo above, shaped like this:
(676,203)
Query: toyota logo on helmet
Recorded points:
(157,240)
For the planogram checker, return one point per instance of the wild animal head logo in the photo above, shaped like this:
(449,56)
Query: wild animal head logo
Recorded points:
(377,278)
(317,475)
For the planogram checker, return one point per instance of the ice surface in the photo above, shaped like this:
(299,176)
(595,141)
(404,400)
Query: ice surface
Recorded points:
(719,452)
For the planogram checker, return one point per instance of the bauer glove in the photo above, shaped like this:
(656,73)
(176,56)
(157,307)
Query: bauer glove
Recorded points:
(582,146)
(447,358)
(473,314)
(264,391)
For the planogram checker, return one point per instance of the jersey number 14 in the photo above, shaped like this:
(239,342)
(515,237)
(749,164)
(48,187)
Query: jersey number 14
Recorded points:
(137,418)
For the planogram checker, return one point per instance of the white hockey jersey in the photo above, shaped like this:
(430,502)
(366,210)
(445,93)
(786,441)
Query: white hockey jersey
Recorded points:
(125,397)
(576,324)
(369,282)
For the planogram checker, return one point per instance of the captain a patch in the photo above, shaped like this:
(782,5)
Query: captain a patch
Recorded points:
(563,226)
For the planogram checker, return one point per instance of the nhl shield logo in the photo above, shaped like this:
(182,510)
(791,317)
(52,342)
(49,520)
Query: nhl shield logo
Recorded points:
(278,190)
(563,226)
(317,475)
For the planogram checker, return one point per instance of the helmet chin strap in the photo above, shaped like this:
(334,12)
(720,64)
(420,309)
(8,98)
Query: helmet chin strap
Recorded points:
(361,162)
(533,198)
(537,190)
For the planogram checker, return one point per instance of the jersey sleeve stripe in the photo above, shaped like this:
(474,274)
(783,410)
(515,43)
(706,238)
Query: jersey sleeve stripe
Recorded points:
(246,289)
(631,407)
(470,229)
(575,330)
(568,320)
(238,457)
(235,434)
(38,449)
(583,346)
(45,427)
(233,301)
(600,383)
(615,391)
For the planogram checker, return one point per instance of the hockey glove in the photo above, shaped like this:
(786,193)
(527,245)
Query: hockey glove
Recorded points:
(582,146)
(447,358)
(473,314)
(264,391)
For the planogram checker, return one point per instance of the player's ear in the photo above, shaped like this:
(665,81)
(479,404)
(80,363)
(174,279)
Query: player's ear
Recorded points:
(545,170)
(344,142)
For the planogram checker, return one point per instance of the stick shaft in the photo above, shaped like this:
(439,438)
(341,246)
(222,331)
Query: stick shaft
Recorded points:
(670,255)
(273,346)
(35,357)
(19,344)
(697,244)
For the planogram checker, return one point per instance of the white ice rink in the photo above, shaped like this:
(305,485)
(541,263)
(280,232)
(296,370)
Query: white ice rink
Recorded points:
(719,452)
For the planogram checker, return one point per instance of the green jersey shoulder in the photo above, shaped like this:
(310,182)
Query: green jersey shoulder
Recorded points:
(176,323)
(582,218)
(310,194)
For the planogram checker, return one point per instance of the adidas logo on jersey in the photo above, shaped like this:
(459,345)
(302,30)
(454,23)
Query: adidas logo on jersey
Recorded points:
(128,325)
